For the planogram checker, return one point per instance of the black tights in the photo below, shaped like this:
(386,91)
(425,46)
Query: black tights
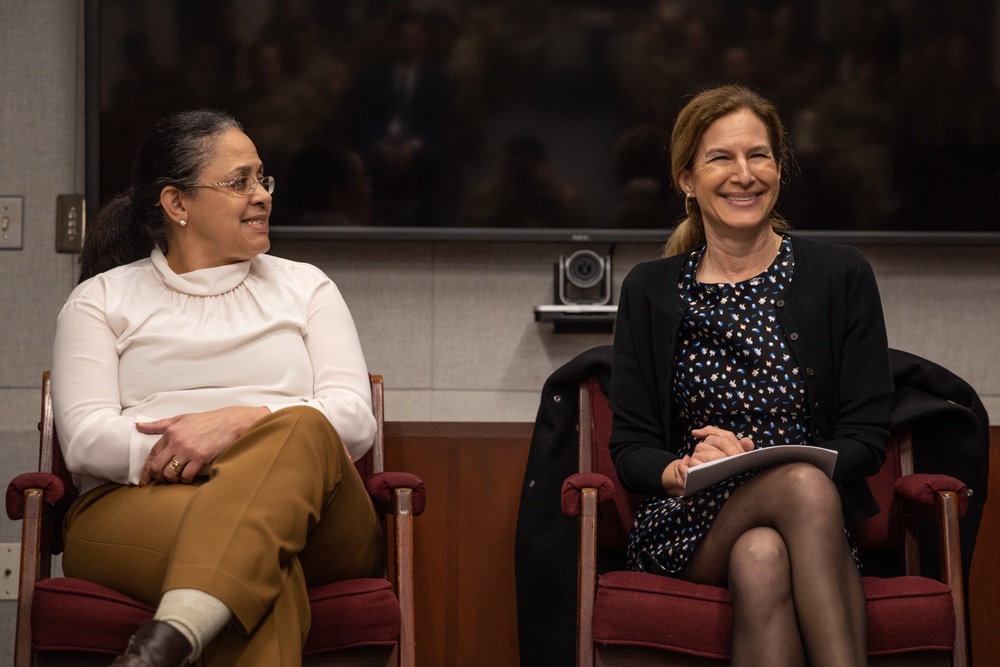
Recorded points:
(780,547)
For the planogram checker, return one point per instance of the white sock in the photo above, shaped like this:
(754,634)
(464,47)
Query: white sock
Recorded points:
(196,614)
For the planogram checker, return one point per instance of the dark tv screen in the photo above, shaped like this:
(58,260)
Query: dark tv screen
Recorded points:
(527,119)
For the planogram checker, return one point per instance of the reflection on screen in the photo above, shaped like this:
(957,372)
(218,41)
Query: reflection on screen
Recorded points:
(554,114)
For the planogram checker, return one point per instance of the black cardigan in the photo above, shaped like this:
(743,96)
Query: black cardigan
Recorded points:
(831,314)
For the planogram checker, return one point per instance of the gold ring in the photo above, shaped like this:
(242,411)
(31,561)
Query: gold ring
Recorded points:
(176,465)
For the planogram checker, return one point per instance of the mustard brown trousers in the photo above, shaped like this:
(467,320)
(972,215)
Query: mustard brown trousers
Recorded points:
(281,510)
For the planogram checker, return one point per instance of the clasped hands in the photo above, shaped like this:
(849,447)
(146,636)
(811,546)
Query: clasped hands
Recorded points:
(714,443)
(190,442)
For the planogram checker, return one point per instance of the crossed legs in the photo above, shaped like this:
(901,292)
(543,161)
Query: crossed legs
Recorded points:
(283,509)
(779,545)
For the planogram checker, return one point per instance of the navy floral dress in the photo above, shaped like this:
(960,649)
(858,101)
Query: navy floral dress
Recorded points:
(733,370)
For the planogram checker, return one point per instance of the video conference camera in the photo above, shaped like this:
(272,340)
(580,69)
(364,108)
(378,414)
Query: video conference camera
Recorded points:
(583,278)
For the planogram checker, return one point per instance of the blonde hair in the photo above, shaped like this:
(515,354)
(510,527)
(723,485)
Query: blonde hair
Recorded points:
(692,123)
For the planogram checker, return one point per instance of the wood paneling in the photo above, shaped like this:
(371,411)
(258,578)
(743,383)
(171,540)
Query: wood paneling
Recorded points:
(464,542)
(984,584)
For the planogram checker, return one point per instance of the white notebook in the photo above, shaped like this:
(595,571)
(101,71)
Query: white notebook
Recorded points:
(704,475)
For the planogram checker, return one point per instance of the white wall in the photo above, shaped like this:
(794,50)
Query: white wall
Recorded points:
(449,325)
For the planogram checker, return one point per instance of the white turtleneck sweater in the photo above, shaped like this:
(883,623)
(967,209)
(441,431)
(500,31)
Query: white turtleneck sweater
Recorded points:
(140,343)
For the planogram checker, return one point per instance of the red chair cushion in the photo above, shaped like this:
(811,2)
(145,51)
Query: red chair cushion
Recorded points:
(907,614)
(635,609)
(356,612)
(75,615)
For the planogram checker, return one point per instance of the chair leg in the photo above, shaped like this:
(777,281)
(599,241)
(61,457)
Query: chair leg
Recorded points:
(31,544)
(951,570)
(587,574)
(403,548)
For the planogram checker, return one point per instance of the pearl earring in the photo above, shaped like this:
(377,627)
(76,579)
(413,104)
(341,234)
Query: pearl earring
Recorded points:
(183,222)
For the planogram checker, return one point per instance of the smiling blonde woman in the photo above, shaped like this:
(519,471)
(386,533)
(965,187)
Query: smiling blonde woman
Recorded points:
(743,336)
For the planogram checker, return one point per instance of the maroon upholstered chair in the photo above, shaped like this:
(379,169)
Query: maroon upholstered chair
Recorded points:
(61,620)
(635,618)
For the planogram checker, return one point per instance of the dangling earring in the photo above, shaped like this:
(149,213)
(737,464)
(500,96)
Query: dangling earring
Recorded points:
(183,222)
(688,203)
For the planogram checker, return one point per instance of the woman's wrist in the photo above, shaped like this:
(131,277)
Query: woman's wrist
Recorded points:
(671,479)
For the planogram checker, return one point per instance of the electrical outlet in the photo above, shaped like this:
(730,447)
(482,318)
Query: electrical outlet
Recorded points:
(11,222)
(10,569)
(71,222)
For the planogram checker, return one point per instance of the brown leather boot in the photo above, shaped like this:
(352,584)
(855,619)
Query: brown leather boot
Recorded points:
(156,644)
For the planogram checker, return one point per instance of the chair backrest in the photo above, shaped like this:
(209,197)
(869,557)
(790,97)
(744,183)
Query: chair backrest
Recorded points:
(886,529)
(50,458)
(374,461)
(614,519)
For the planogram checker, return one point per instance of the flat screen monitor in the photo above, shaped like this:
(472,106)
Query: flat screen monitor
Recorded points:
(550,120)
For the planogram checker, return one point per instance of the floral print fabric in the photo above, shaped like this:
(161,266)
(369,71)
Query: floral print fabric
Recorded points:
(733,370)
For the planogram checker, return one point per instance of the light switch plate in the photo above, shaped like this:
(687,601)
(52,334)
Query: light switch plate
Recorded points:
(10,568)
(11,222)
(71,222)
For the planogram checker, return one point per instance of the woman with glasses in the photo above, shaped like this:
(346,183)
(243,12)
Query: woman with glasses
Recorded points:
(209,400)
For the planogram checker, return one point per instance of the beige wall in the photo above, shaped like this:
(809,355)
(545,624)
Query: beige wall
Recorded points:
(450,325)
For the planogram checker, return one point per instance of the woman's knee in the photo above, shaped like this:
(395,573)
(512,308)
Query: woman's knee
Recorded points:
(298,417)
(303,427)
(122,536)
(759,561)
(804,487)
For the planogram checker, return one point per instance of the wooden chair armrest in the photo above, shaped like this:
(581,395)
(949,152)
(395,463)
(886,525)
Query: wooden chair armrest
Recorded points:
(920,493)
(401,496)
(944,499)
(571,500)
(52,488)
(383,485)
(581,494)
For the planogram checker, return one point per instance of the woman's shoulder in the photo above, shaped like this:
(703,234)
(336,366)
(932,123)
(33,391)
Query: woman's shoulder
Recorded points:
(829,258)
(654,272)
(290,278)
(282,267)
(660,266)
(118,279)
(827,251)
(835,269)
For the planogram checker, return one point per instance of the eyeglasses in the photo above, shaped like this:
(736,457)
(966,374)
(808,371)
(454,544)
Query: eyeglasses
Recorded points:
(243,185)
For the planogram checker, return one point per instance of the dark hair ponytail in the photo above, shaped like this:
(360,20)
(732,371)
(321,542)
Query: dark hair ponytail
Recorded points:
(112,240)
(128,227)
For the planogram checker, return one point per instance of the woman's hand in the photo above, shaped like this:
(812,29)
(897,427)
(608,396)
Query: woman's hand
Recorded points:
(674,476)
(717,444)
(191,441)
